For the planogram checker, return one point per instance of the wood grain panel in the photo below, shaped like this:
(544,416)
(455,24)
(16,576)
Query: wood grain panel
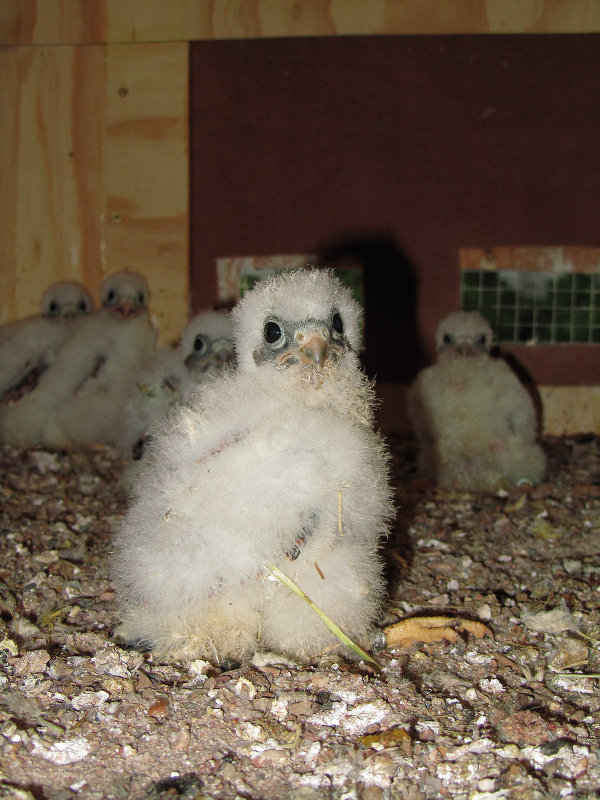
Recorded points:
(570,409)
(147,173)
(52,160)
(114,21)
(9,92)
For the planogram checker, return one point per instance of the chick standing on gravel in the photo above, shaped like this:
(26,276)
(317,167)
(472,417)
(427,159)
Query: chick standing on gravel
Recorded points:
(276,463)
(475,422)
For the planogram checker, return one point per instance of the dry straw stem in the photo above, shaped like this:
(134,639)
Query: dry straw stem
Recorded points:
(283,578)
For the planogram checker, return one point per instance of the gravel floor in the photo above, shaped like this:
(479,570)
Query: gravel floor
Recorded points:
(514,716)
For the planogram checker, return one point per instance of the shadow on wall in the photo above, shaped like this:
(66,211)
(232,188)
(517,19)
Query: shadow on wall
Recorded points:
(524,376)
(394,351)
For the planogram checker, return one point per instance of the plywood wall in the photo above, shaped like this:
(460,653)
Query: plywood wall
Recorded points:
(85,22)
(93,129)
(93,122)
(52,162)
(146,173)
(94,153)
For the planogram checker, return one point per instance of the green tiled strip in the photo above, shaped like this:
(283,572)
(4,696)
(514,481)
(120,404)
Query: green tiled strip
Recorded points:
(535,307)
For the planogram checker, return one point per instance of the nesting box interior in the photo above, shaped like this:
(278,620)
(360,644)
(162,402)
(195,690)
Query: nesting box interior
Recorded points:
(445,150)
(135,140)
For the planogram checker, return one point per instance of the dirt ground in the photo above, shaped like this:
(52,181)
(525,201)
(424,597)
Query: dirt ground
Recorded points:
(513,716)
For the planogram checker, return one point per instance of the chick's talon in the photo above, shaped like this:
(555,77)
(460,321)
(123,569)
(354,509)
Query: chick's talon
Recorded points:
(432,629)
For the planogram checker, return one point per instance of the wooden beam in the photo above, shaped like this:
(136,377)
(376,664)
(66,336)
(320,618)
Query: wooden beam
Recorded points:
(25,22)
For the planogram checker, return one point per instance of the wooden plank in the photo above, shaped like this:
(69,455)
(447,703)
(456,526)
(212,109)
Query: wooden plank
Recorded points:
(27,22)
(147,174)
(9,94)
(53,157)
(566,410)
(570,409)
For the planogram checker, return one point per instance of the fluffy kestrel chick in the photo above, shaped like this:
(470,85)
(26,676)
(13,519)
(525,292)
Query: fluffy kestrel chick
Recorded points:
(206,347)
(80,398)
(28,346)
(475,422)
(276,463)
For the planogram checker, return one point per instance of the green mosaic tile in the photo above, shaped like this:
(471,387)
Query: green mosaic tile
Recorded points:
(525,315)
(505,333)
(582,283)
(524,333)
(582,299)
(534,306)
(489,279)
(544,334)
(562,316)
(488,299)
(581,318)
(581,335)
(470,300)
(563,299)
(562,335)
(543,316)
(564,282)
(490,315)
(470,278)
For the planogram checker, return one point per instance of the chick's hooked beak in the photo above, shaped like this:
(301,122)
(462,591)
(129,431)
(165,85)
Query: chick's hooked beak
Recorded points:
(467,348)
(127,310)
(311,345)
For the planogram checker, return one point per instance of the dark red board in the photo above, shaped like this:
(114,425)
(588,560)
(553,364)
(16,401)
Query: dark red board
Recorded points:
(399,150)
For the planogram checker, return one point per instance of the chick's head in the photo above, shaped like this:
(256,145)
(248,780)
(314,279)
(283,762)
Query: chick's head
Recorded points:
(206,342)
(125,294)
(463,334)
(304,321)
(66,299)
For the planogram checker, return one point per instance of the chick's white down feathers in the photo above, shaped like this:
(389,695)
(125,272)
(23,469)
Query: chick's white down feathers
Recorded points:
(205,347)
(80,397)
(474,421)
(31,344)
(275,463)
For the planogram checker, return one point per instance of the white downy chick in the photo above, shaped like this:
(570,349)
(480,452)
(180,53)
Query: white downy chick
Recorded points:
(79,400)
(474,421)
(28,346)
(205,347)
(275,463)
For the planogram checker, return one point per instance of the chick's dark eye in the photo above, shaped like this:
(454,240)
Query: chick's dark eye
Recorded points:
(448,338)
(272,332)
(82,306)
(481,339)
(199,344)
(140,299)
(53,308)
(111,296)
(337,323)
